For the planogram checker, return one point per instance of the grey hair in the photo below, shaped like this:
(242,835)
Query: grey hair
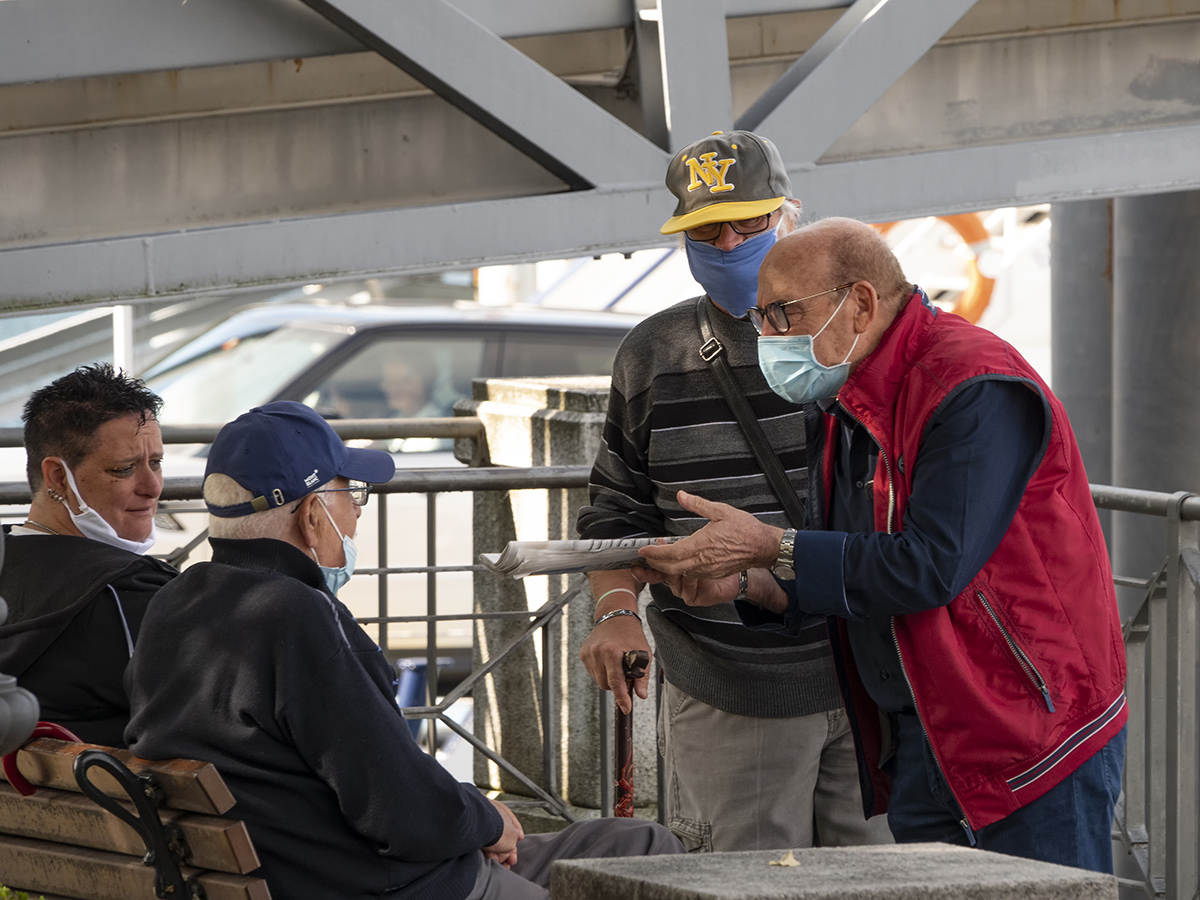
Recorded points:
(221,490)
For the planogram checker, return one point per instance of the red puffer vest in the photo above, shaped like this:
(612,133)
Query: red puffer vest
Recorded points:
(1020,679)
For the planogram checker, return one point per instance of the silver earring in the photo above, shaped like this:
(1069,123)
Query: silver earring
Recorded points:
(55,495)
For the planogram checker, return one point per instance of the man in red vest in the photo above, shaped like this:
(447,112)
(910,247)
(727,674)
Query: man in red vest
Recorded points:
(956,551)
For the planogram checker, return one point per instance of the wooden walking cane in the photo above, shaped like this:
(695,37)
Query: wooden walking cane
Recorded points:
(634,664)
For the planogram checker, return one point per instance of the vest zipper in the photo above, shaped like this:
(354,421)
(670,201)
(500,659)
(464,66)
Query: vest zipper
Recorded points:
(1023,660)
(887,465)
(962,814)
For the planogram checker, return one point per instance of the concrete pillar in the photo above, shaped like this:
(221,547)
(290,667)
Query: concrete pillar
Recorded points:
(1081,330)
(542,422)
(1156,363)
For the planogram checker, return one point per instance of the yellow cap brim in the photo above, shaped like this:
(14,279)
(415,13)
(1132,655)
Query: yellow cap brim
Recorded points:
(721,212)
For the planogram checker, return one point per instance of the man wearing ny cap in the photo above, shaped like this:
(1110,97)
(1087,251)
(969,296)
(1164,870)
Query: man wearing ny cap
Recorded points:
(255,666)
(757,751)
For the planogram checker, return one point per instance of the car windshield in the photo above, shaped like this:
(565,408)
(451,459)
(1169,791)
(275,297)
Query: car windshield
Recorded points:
(238,375)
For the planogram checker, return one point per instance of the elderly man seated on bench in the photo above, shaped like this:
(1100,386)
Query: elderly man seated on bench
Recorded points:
(251,663)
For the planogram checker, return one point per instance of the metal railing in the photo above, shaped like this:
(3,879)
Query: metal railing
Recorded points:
(432,483)
(1158,818)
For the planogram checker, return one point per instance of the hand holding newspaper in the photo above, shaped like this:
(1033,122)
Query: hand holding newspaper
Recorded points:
(521,558)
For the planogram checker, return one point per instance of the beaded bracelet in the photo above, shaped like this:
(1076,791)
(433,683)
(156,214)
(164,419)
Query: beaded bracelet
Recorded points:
(614,614)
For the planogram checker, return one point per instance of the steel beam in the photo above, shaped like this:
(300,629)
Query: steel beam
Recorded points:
(1145,161)
(42,40)
(694,60)
(49,39)
(501,88)
(574,224)
(840,77)
(324,248)
(580,223)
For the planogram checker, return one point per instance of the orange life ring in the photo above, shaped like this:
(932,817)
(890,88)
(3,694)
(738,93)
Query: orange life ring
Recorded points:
(974,299)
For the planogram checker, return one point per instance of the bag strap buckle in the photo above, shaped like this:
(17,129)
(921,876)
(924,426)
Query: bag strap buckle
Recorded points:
(711,349)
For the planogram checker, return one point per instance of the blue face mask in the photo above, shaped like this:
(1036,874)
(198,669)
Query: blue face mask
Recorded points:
(730,277)
(335,578)
(791,368)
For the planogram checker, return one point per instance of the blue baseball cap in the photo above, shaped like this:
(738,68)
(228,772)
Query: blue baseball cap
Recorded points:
(284,451)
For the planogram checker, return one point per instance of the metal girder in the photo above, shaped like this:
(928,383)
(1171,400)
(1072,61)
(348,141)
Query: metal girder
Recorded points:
(580,223)
(693,59)
(48,39)
(1148,161)
(322,248)
(841,76)
(502,89)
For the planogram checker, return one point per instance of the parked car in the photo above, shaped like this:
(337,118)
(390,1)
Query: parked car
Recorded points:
(375,362)
(378,362)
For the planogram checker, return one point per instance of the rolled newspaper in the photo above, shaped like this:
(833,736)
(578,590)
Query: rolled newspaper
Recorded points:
(521,558)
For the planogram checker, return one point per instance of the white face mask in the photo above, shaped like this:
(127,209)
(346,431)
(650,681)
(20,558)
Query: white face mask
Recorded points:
(335,577)
(94,526)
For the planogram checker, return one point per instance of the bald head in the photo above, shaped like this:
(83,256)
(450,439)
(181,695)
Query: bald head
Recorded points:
(838,251)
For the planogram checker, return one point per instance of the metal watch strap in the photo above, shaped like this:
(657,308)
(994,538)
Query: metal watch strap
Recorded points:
(712,351)
(785,565)
(743,585)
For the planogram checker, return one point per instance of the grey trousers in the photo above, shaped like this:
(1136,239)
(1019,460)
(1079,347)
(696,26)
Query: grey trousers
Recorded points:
(529,879)
(742,783)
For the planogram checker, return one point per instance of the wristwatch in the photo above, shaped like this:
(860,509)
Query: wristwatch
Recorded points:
(785,565)
(743,585)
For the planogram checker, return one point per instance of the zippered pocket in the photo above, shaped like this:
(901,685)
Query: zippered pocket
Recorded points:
(1027,666)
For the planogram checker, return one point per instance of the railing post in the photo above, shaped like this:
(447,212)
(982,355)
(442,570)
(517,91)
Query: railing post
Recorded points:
(1182,799)
(1135,808)
(431,641)
(1156,732)
(381,507)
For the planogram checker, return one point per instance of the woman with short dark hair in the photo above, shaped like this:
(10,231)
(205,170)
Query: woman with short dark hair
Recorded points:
(75,575)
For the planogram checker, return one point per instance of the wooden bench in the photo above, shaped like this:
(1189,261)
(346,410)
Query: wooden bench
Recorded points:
(62,844)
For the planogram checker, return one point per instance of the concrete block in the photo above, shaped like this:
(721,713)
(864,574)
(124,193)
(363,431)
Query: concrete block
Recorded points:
(898,872)
(540,422)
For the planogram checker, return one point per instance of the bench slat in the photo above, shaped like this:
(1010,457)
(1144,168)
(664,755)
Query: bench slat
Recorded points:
(187,784)
(49,815)
(33,865)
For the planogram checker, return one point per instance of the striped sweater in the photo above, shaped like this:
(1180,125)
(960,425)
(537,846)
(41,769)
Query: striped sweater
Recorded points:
(669,428)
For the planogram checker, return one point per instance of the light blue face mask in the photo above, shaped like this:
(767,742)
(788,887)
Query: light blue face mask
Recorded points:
(335,578)
(791,368)
(730,277)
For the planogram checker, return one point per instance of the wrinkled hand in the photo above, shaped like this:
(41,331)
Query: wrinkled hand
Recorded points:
(504,851)
(604,649)
(703,591)
(603,653)
(732,540)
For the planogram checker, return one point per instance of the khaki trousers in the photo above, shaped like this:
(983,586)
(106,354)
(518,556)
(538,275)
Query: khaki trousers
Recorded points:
(742,783)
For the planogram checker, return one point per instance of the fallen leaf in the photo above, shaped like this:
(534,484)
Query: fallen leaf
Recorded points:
(789,859)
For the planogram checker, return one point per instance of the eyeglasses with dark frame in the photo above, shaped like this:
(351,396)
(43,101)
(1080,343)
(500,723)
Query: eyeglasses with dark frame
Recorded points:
(359,492)
(777,315)
(710,232)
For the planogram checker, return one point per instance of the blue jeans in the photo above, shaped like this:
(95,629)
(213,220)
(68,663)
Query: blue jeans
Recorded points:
(1070,825)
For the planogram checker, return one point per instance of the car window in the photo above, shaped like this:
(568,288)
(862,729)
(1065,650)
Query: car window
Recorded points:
(414,376)
(240,374)
(531,354)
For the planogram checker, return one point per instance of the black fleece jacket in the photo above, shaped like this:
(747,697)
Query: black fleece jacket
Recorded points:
(74,609)
(247,662)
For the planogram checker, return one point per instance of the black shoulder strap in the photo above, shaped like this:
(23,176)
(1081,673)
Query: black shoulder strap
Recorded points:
(712,351)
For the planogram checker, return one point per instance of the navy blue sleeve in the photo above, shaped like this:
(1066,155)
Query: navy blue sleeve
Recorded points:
(980,450)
